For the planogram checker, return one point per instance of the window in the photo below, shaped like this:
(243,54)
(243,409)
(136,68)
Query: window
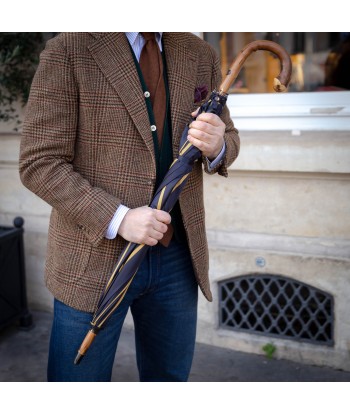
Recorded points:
(321,61)
(318,97)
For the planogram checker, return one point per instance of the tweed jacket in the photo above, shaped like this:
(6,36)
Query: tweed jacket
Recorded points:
(87,147)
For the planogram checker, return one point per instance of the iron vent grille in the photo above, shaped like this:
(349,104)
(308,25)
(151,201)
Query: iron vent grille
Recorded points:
(277,306)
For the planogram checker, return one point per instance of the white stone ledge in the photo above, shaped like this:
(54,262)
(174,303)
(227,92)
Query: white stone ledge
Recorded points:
(289,175)
(281,151)
(9,165)
(318,247)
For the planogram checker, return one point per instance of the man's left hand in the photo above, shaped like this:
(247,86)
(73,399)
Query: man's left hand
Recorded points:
(207,134)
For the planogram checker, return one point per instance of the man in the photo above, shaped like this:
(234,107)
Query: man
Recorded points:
(103,122)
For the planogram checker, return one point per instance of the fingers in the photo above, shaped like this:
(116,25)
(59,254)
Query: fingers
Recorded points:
(202,126)
(202,131)
(150,241)
(149,237)
(212,119)
(155,234)
(203,146)
(162,216)
(157,227)
(160,226)
(206,133)
(207,127)
(144,225)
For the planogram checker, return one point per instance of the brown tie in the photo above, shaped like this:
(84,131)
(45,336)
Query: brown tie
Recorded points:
(151,64)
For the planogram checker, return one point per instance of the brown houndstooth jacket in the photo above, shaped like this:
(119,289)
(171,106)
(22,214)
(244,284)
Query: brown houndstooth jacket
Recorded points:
(87,147)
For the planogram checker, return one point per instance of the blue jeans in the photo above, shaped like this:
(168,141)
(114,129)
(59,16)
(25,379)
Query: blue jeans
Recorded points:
(163,300)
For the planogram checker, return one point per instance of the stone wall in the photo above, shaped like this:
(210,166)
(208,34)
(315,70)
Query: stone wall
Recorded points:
(286,200)
(16,200)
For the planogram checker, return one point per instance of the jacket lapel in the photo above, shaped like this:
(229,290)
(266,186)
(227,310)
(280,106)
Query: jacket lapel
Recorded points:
(111,51)
(182,73)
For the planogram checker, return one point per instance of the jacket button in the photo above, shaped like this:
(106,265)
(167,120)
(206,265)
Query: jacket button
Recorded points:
(153,128)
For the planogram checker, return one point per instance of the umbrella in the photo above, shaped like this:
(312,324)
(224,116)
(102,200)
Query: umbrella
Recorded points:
(169,190)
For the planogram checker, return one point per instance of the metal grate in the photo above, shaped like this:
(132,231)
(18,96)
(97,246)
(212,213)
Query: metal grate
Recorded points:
(277,306)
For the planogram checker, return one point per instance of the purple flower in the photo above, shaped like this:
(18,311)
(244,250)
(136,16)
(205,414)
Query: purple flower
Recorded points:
(200,92)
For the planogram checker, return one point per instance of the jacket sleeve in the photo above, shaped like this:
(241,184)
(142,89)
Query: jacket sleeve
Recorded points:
(231,136)
(48,143)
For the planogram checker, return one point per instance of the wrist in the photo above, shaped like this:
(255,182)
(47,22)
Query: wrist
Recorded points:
(115,224)
(212,157)
(215,154)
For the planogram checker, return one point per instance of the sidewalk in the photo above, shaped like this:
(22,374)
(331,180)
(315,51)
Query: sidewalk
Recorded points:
(23,356)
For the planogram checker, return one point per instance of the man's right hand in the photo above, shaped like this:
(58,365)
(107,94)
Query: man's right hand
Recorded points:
(144,225)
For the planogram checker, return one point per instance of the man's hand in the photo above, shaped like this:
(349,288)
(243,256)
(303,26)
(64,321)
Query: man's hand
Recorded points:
(207,134)
(144,225)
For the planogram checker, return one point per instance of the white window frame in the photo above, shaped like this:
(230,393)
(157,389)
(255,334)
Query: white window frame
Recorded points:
(304,111)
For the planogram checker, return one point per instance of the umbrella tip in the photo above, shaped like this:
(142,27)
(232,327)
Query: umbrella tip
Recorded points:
(78,358)
(85,345)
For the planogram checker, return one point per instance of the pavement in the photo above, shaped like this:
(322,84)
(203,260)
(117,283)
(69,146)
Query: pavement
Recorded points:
(23,357)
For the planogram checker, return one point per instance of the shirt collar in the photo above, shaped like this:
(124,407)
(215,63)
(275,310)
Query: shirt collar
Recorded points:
(133,36)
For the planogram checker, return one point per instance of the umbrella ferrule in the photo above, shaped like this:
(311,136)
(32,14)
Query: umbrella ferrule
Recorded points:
(89,338)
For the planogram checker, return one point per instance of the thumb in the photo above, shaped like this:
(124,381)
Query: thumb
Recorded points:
(194,113)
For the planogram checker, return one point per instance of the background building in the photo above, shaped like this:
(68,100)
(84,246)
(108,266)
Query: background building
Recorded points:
(279,225)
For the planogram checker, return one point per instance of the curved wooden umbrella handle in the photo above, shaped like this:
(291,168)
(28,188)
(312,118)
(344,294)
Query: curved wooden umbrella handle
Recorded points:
(282,80)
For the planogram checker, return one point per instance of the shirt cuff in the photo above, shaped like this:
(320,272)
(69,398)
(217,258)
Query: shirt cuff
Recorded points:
(212,164)
(114,224)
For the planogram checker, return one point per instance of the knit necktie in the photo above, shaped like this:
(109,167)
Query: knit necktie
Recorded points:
(151,64)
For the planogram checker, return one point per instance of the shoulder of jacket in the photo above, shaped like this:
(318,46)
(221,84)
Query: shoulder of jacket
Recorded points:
(194,42)
(70,40)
